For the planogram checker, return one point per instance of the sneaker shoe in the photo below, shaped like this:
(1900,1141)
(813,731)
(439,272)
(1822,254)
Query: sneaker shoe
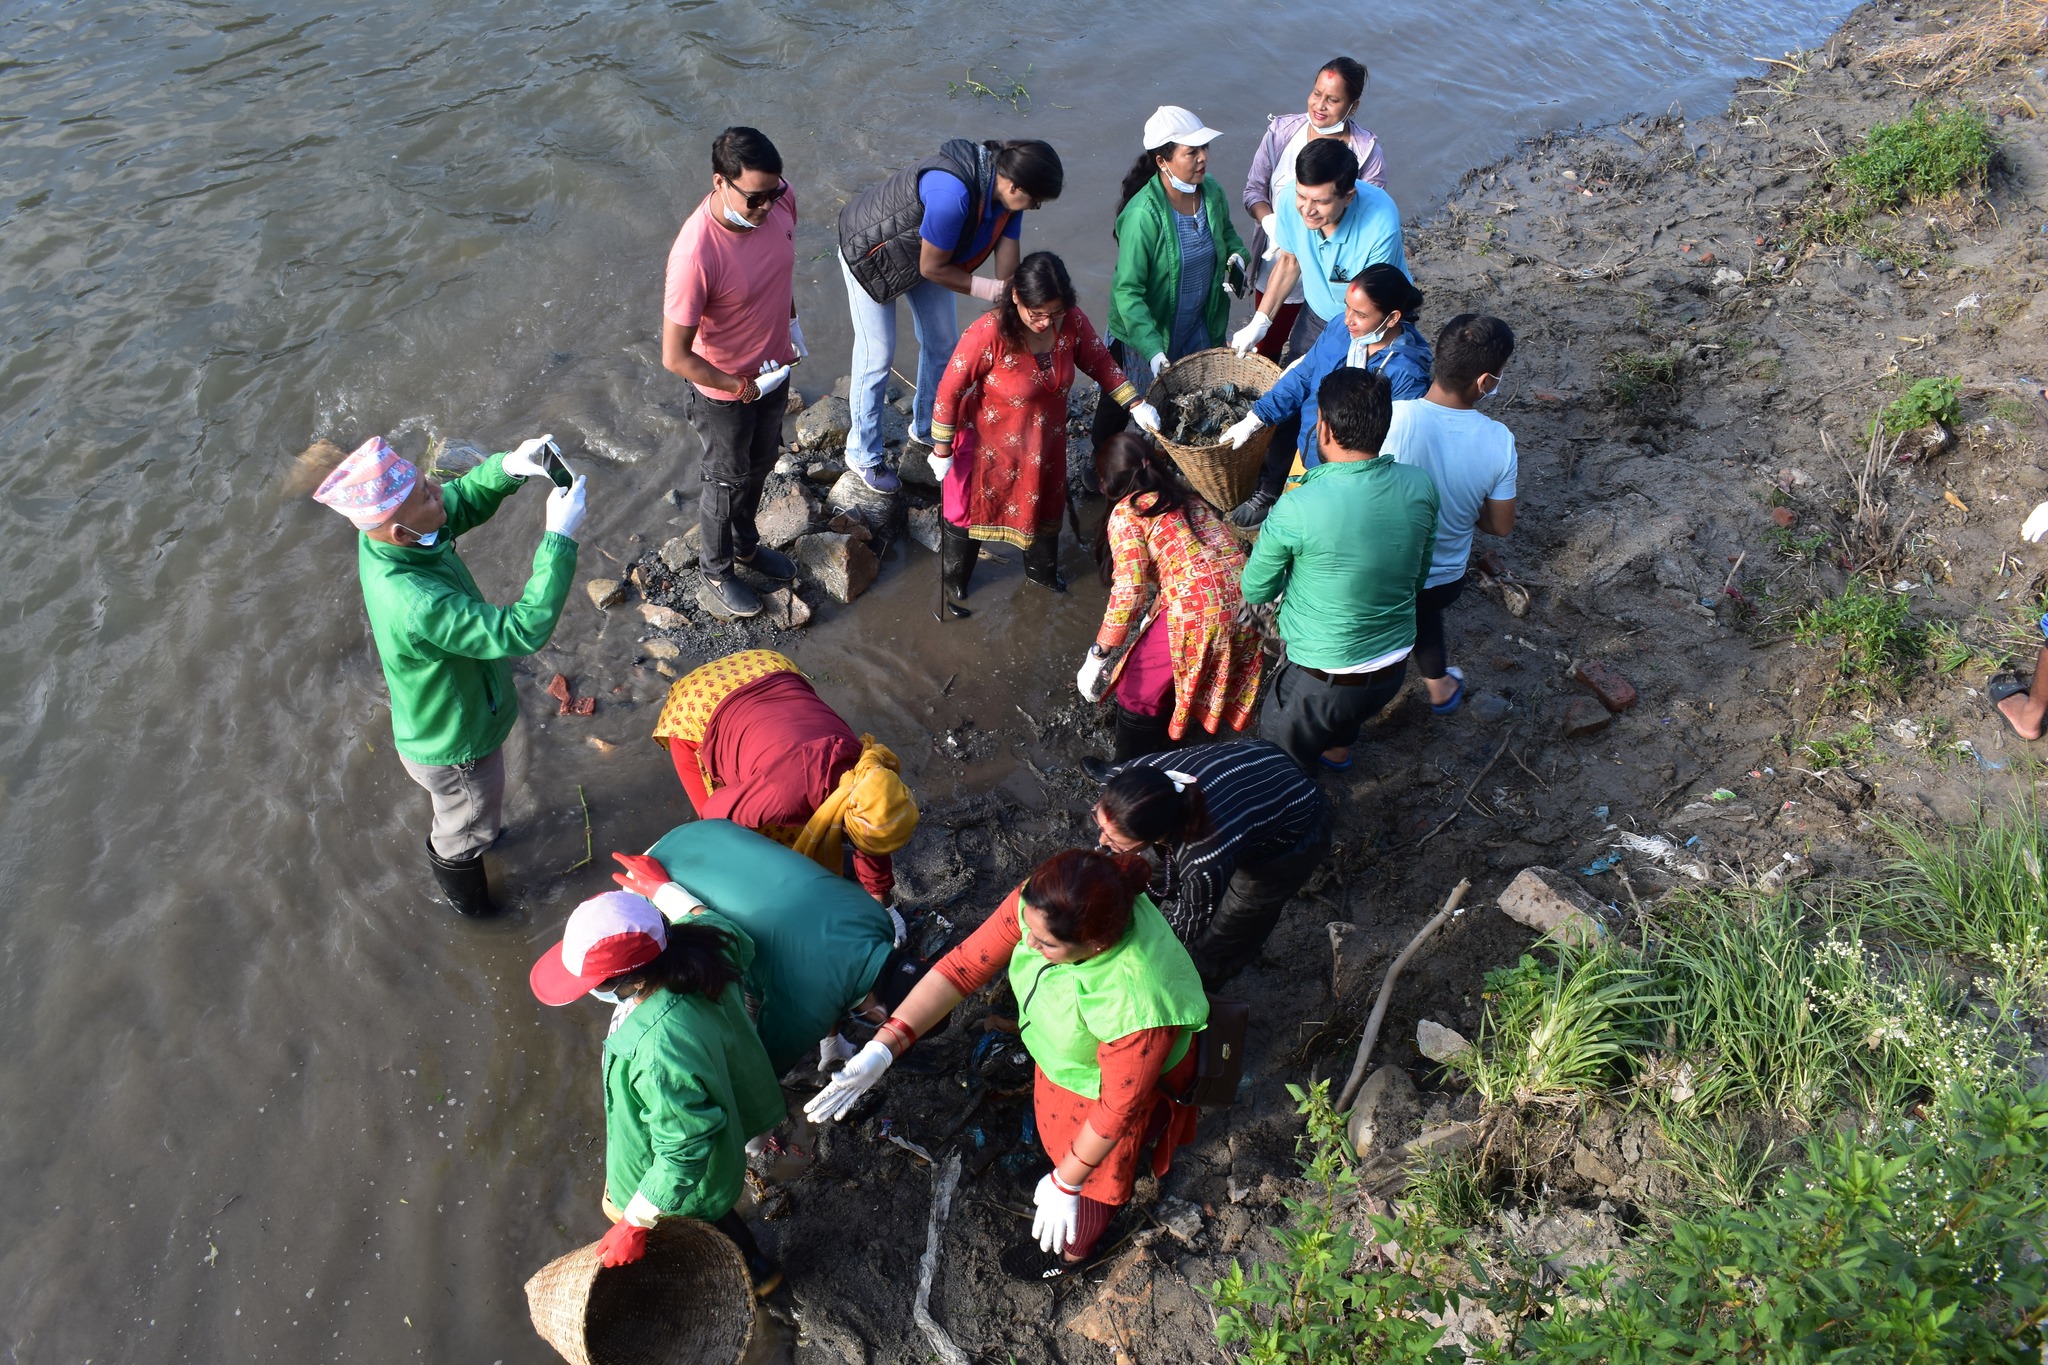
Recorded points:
(1026,1262)
(770,564)
(880,478)
(729,597)
(1253,509)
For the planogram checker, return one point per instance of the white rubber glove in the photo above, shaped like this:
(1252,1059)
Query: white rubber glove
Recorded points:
(1089,679)
(1272,249)
(1146,416)
(2036,524)
(524,462)
(1159,364)
(942,465)
(987,288)
(854,1080)
(1251,334)
(1056,1215)
(833,1047)
(565,508)
(771,376)
(1236,434)
(796,338)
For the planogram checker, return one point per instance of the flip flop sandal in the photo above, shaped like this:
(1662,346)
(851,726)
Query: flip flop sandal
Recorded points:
(1445,708)
(2005,685)
(1343,767)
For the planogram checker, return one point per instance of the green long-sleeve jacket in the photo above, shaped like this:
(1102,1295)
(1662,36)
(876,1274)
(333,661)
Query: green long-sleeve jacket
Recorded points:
(686,1084)
(1350,546)
(446,651)
(1145,292)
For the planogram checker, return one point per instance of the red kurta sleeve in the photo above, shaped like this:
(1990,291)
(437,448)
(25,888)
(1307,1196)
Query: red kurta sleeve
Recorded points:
(1092,358)
(1131,562)
(685,755)
(1130,1080)
(986,951)
(972,360)
(876,872)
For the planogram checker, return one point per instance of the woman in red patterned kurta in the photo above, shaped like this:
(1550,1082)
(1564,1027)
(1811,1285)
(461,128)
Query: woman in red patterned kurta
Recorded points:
(999,425)
(1168,560)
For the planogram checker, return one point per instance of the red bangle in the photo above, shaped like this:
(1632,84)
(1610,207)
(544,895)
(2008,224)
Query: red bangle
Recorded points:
(1062,1186)
(908,1034)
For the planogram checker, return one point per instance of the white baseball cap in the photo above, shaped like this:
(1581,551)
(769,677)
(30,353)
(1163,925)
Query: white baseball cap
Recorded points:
(1171,123)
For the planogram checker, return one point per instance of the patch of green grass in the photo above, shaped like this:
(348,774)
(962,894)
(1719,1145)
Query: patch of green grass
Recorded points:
(1803,547)
(1928,154)
(2010,410)
(1723,1162)
(1947,649)
(1850,747)
(1873,638)
(1635,377)
(1552,1032)
(1977,892)
(1448,1192)
(1927,401)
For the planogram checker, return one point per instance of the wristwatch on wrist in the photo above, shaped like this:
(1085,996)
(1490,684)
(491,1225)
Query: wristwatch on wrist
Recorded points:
(1097,651)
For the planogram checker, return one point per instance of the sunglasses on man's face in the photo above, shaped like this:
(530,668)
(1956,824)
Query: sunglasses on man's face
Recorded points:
(761,199)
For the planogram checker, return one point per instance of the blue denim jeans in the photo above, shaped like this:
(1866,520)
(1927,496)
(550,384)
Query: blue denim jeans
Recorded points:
(937,324)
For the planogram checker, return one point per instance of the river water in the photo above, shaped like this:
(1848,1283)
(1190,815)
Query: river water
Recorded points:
(263,1100)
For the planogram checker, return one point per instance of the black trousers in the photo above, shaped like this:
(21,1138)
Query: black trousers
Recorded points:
(1251,906)
(1305,714)
(1431,659)
(740,441)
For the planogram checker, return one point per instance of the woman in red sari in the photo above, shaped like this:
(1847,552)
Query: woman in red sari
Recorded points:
(999,427)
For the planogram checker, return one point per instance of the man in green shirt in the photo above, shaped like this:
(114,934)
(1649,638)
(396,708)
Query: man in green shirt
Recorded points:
(446,651)
(1350,548)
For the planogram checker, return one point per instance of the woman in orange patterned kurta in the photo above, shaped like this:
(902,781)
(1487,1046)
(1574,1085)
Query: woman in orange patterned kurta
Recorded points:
(999,425)
(1166,551)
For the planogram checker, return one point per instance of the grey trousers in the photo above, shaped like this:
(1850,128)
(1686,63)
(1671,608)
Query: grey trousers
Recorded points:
(469,802)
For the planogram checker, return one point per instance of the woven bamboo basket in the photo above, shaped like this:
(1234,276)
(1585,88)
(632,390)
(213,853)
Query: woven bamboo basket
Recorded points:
(686,1302)
(1220,476)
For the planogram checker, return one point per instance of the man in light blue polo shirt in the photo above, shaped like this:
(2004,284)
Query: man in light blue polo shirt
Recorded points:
(1334,227)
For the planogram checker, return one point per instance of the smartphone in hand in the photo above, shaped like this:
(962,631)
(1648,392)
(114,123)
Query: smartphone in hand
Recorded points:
(551,460)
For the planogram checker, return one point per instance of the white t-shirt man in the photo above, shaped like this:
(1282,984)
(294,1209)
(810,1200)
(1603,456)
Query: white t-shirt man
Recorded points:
(1470,457)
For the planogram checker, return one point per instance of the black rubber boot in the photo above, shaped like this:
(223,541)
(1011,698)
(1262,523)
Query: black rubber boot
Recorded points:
(463,883)
(961,553)
(1135,735)
(763,1270)
(1042,561)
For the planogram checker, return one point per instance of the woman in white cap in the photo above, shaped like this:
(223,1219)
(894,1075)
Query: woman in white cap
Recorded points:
(1175,253)
(686,1080)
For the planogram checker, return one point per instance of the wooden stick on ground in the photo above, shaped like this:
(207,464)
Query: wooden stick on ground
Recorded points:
(1470,787)
(1379,1006)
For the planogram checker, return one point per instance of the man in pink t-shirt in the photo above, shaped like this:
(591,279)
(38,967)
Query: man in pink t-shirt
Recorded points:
(729,327)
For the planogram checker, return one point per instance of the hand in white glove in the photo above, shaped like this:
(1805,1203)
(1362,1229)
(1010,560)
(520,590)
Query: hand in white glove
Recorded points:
(853,1081)
(565,508)
(1089,679)
(525,462)
(1251,334)
(1237,433)
(833,1048)
(1272,248)
(987,288)
(1056,1215)
(2036,524)
(771,376)
(1159,364)
(1238,285)
(796,338)
(942,465)
(1146,416)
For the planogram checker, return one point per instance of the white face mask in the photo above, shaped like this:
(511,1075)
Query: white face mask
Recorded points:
(609,997)
(1375,338)
(1183,186)
(1330,131)
(734,216)
(1485,394)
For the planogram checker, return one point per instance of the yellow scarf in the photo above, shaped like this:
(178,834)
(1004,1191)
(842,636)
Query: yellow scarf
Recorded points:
(870,806)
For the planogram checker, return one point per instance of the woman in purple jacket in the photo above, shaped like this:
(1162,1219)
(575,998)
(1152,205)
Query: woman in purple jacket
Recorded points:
(1331,103)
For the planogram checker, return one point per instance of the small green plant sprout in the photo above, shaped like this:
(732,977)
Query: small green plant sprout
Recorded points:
(1929,154)
(1872,638)
(1848,748)
(1447,1192)
(1555,1033)
(1014,94)
(1310,1307)
(1637,377)
(1931,400)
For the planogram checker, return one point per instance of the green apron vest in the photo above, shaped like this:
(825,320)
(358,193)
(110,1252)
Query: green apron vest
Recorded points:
(819,940)
(1067,1010)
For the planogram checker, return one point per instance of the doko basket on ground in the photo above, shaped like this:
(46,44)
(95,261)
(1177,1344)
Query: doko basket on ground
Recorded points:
(686,1302)
(1222,477)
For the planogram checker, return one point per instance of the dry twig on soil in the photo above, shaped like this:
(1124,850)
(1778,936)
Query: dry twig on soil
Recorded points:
(1379,1006)
(1469,788)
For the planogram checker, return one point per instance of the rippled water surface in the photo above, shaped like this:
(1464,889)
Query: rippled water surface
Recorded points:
(262,1101)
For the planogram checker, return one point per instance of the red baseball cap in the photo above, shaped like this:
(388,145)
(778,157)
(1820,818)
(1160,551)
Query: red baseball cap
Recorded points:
(607,936)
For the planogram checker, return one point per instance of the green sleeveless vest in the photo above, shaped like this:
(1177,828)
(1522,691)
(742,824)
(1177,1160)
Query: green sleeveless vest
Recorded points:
(1067,1010)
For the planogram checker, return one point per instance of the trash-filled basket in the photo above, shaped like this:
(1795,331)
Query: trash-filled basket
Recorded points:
(1222,477)
(686,1302)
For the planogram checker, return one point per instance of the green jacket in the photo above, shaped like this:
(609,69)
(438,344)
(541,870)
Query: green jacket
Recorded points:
(1351,547)
(445,650)
(686,1084)
(1146,290)
(819,940)
(1068,1010)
